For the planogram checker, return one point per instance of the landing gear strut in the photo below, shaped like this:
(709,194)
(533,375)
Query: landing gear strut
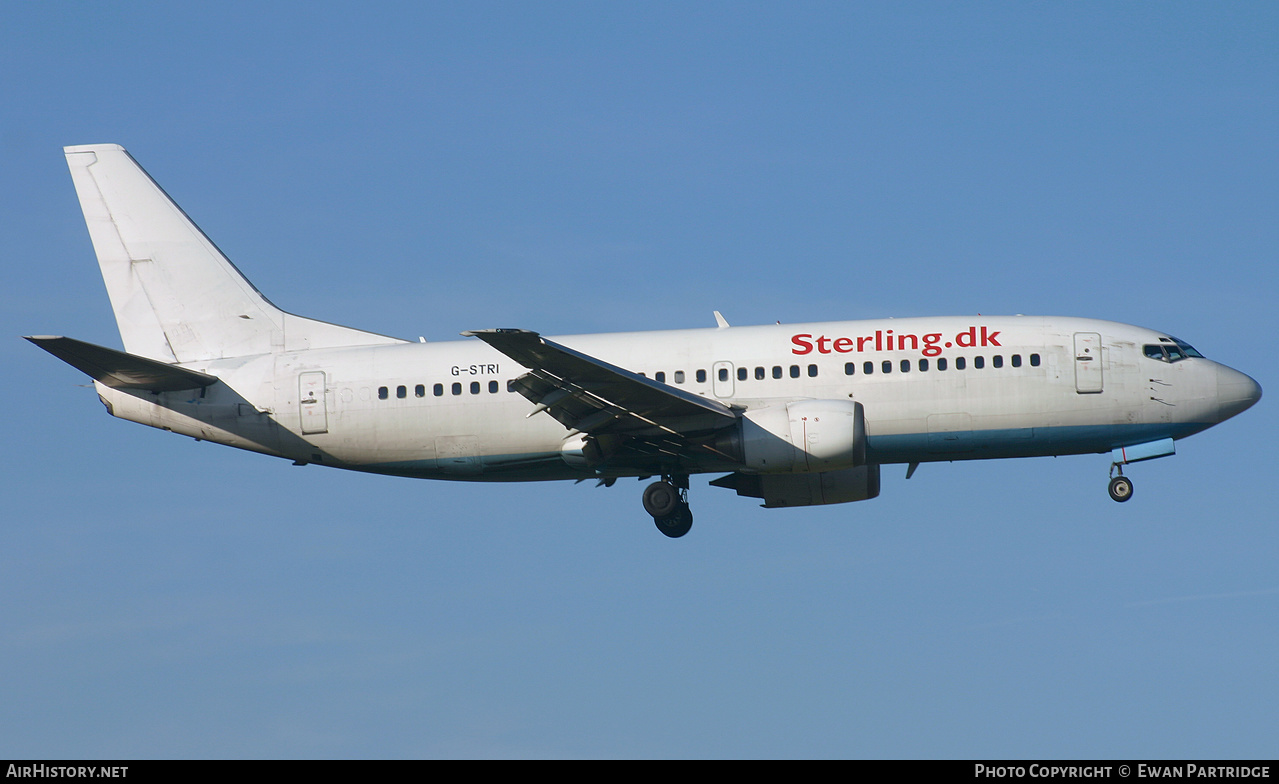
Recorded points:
(1120,486)
(667,502)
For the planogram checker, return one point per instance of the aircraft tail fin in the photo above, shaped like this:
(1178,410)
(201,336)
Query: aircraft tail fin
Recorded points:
(176,297)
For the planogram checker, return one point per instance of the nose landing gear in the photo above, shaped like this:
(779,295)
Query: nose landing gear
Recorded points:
(667,502)
(1120,486)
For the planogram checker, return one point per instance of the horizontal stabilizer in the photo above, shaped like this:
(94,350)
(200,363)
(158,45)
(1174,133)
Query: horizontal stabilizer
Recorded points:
(119,370)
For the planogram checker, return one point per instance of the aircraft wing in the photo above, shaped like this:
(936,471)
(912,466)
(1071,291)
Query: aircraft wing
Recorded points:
(120,370)
(591,396)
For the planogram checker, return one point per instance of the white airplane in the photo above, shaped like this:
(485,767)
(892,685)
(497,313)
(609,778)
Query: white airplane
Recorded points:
(796,415)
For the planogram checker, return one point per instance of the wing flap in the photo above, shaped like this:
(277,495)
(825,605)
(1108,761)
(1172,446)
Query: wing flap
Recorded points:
(592,396)
(121,370)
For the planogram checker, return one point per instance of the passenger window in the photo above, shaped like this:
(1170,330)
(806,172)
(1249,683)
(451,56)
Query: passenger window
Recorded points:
(812,371)
(850,368)
(383,393)
(923,365)
(941,363)
(679,377)
(777,371)
(1034,360)
(741,374)
(759,374)
(888,366)
(493,387)
(420,390)
(722,374)
(794,371)
(960,363)
(868,367)
(475,387)
(660,376)
(438,390)
(997,361)
(1016,360)
(979,362)
(401,392)
(701,376)
(457,388)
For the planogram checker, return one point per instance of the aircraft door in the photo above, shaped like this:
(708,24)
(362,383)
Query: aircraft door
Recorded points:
(312,406)
(722,379)
(1088,363)
(458,454)
(950,433)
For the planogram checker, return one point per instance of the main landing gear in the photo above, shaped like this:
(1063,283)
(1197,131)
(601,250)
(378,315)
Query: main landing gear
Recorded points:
(667,502)
(1120,486)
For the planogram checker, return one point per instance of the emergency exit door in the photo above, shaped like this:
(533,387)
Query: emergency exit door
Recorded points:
(722,379)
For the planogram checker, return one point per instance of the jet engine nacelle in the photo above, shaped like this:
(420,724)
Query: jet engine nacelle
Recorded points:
(802,436)
(825,487)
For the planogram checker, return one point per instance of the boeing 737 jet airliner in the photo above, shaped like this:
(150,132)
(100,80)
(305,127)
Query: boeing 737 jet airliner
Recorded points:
(796,415)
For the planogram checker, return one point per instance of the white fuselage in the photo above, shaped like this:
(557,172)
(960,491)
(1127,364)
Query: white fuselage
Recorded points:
(944,388)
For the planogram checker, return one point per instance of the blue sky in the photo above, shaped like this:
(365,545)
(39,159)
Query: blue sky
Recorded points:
(422,169)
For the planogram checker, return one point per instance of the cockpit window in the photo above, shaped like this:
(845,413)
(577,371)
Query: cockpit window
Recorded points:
(1170,350)
(1187,350)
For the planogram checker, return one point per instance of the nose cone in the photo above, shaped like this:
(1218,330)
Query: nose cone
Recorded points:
(1236,392)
